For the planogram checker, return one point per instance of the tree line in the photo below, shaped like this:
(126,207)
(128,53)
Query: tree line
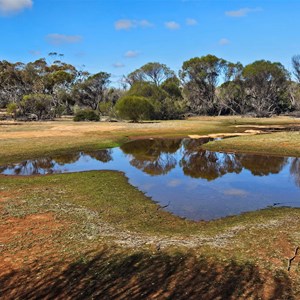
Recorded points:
(206,85)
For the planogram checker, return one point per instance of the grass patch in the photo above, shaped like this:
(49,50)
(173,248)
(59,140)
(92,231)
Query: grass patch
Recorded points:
(280,143)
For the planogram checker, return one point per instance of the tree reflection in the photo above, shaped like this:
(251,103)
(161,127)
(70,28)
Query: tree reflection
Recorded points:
(104,155)
(262,165)
(32,167)
(198,163)
(67,158)
(295,170)
(160,156)
(157,157)
(154,157)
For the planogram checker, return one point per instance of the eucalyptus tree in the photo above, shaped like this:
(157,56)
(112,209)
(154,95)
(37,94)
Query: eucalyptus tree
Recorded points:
(159,84)
(200,77)
(232,98)
(91,92)
(294,86)
(12,85)
(266,85)
(296,67)
(152,72)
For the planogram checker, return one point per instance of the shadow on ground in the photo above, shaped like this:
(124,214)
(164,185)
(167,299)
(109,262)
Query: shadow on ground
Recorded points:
(142,275)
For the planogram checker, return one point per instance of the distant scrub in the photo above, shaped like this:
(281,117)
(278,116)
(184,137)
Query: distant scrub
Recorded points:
(134,108)
(86,115)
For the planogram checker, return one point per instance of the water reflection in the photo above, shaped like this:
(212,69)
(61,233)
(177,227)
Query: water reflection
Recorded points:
(184,178)
(58,164)
(262,165)
(198,163)
(68,158)
(104,155)
(295,170)
(154,157)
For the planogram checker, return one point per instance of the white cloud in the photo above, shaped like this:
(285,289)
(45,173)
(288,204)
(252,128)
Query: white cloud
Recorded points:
(191,22)
(241,12)
(118,65)
(174,182)
(235,192)
(172,25)
(59,39)
(144,23)
(224,42)
(131,54)
(126,24)
(13,6)
(123,24)
(35,52)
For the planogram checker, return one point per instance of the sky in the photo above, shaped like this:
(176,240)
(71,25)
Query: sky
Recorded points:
(119,36)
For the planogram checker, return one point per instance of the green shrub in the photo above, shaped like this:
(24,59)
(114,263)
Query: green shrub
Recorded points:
(86,115)
(134,108)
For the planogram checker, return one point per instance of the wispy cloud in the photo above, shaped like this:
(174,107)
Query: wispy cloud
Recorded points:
(59,39)
(224,42)
(126,24)
(80,54)
(191,22)
(241,12)
(14,6)
(174,182)
(131,54)
(118,65)
(235,192)
(172,25)
(35,52)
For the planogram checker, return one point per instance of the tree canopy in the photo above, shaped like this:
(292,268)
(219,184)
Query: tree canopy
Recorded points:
(205,85)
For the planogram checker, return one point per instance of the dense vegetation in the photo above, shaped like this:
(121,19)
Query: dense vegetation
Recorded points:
(205,85)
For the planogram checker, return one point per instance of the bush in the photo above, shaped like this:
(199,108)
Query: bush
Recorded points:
(39,105)
(86,115)
(134,108)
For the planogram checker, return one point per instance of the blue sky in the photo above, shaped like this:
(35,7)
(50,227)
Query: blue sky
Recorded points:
(118,36)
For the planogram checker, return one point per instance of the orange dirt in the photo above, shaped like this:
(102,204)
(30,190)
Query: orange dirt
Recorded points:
(30,237)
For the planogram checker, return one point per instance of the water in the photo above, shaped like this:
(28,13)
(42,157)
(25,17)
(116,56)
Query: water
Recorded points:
(188,181)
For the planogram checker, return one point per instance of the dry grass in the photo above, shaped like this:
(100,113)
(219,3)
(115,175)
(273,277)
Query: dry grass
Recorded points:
(279,143)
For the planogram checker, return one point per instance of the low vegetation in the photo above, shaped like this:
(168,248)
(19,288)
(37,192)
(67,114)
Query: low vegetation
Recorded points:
(86,115)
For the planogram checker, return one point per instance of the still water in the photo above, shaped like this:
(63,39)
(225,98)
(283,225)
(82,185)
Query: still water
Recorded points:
(186,180)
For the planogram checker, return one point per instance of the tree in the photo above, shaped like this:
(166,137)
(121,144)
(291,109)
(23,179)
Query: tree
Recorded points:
(152,72)
(232,98)
(12,86)
(38,104)
(266,86)
(296,66)
(92,91)
(12,108)
(134,108)
(200,76)
(172,87)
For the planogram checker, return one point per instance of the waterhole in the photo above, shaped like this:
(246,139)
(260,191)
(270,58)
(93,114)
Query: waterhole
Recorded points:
(185,179)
